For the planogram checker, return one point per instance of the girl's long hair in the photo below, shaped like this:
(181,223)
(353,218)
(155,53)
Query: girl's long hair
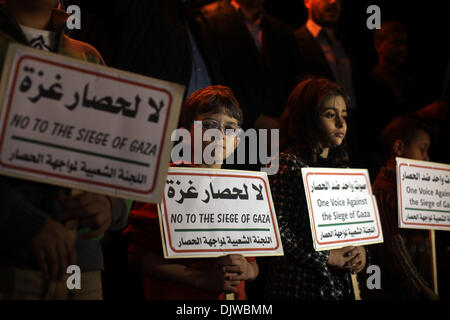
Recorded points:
(300,121)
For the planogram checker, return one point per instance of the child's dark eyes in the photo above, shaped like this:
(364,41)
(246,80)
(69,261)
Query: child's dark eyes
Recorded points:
(330,115)
(229,129)
(209,125)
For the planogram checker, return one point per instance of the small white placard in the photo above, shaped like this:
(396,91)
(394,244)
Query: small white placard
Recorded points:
(423,190)
(342,208)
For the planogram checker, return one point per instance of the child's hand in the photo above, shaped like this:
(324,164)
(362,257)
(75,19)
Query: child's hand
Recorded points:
(238,268)
(358,262)
(54,250)
(230,270)
(217,279)
(91,210)
(340,257)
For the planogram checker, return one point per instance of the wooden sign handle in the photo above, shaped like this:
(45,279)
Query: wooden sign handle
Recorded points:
(355,287)
(433,261)
(230,296)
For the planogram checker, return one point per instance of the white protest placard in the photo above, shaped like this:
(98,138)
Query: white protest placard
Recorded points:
(85,126)
(342,208)
(209,213)
(423,190)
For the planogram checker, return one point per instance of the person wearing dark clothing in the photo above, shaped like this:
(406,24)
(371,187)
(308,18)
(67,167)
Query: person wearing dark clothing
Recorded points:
(157,38)
(324,53)
(35,246)
(394,91)
(321,49)
(404,257)
(257,54)
(313,128)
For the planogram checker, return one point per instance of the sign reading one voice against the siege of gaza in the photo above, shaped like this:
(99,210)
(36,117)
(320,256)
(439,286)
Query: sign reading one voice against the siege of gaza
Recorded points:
(423,194)
(72,123)
(342,209)
(208,213)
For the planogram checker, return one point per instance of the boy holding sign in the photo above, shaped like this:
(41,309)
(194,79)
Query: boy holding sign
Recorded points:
(313,128)
(404,257)
(213,107)
(35,247)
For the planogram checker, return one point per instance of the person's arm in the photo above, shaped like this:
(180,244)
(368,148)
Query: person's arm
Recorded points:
(20,222)
(145,255)
(97,212)
(351,258)
(91,210)
(26,231)
(243,269)
(215,279)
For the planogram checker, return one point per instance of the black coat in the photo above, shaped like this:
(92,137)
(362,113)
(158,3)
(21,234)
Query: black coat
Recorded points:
(261,81)
(141,36)
(313,60)
(315,63)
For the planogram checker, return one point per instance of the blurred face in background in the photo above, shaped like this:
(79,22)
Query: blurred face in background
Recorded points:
(324,12)
(394,48)
(417,149)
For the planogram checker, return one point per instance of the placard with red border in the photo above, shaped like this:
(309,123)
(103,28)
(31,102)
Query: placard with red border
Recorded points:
(52,133)
(251,228)
(342,208)
(423,189)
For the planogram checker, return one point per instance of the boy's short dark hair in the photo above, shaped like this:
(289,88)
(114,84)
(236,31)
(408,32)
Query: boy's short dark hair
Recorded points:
(211,99)
(402,128)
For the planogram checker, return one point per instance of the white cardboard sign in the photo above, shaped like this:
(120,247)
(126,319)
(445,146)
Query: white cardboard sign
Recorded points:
(423,190)
(209,213)
(85,126)
(342,208)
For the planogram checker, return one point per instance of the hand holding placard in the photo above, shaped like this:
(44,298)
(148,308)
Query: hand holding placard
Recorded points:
(352,258)
(90,210)
(54,250)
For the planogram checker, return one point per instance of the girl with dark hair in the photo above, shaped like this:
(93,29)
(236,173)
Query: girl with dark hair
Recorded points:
(313,129)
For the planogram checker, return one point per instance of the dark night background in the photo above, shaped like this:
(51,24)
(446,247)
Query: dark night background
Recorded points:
(427,24)
(428,51)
